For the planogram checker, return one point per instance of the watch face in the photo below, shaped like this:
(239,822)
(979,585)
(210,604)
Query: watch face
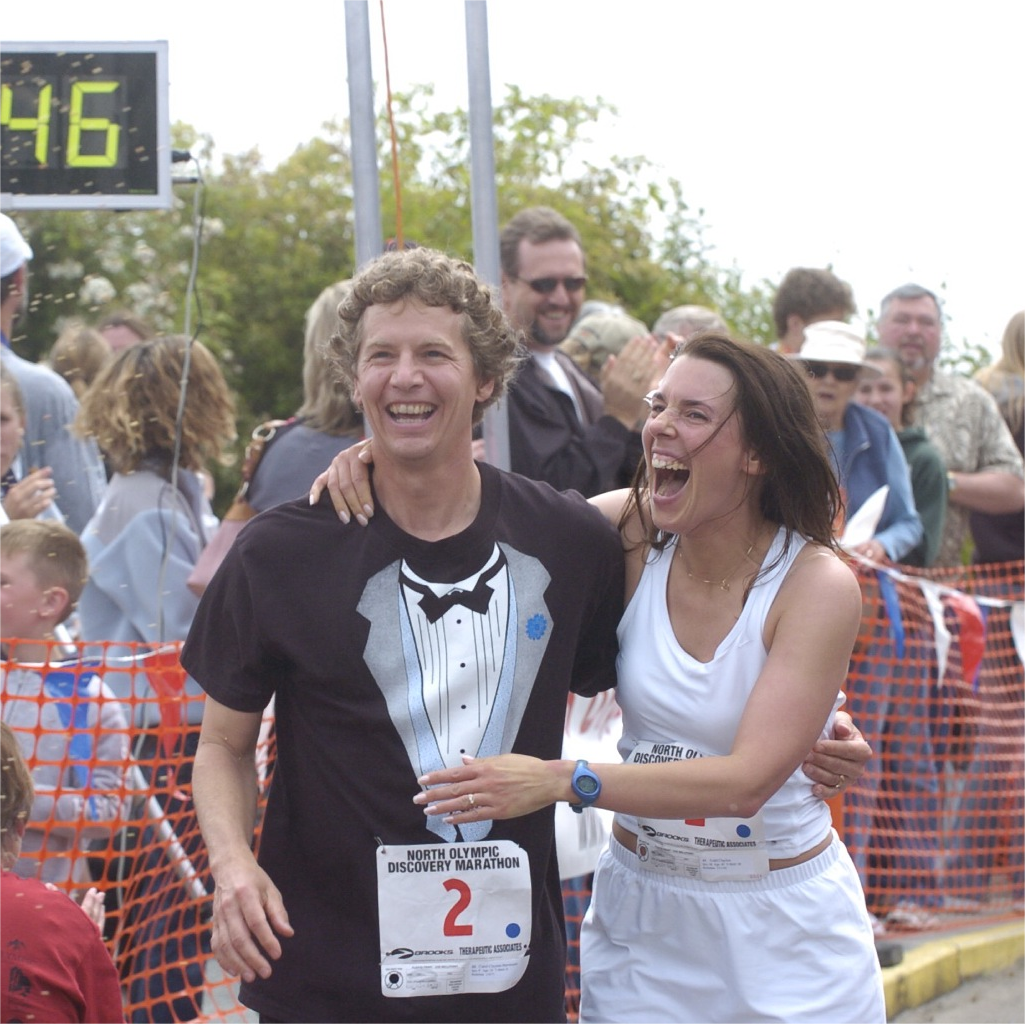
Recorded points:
(587,785)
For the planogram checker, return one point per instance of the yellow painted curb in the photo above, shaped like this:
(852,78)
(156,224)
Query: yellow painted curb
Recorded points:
(930,970)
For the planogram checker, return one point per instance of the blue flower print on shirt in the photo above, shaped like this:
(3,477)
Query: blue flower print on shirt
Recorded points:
(537,626)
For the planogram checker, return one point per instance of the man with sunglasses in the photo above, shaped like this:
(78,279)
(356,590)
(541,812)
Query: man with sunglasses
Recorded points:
(562,429)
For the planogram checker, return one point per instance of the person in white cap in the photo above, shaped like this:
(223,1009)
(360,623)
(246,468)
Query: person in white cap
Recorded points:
(864,448)
(50,404)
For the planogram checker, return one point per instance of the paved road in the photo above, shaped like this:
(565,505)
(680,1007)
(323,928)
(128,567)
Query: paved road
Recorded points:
(996,998)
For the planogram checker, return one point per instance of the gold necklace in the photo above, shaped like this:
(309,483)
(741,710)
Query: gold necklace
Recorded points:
(724,583)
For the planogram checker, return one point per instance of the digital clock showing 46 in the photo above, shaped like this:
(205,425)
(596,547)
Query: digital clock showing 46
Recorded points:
(84,125)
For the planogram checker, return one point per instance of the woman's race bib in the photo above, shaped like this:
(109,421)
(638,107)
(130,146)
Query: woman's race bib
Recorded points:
(454,917)
(709,849)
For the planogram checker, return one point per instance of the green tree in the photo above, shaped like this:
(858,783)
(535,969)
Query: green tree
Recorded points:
(283,236)
(643,247)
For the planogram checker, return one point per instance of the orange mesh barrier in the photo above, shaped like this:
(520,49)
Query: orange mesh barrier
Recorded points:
(117,759)
(935,824)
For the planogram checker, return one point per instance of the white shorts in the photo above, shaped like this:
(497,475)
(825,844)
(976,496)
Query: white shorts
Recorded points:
(796,945)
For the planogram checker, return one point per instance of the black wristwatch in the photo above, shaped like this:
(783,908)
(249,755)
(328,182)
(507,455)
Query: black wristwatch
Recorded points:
(586,785)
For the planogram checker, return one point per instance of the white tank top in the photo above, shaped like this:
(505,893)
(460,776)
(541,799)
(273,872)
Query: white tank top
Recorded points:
(668,696)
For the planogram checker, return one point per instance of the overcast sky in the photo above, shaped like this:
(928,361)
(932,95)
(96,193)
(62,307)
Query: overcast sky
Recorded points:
(884,138)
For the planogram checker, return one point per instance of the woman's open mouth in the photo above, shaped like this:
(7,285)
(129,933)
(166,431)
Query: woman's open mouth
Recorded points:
(670,476)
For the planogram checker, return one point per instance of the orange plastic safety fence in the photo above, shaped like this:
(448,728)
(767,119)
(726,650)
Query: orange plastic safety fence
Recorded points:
(109,732)
(935,825)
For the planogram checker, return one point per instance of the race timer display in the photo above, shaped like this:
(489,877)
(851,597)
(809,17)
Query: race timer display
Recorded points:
(84,125)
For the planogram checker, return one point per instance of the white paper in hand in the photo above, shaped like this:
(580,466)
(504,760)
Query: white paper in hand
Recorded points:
(862,525)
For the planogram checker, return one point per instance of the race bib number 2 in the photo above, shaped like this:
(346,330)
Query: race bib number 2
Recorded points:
(454,917)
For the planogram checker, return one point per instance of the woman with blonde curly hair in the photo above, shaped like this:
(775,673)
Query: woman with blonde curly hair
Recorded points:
(154,519)
(142,543)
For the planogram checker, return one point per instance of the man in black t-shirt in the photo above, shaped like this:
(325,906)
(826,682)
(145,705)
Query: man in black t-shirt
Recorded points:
(453,625)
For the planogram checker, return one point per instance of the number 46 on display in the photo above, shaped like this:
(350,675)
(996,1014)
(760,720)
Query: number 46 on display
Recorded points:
(80,131)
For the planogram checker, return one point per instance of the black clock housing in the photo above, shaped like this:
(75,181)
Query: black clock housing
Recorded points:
(84,125)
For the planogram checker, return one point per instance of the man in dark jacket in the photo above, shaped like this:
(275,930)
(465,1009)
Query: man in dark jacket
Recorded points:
(562,428)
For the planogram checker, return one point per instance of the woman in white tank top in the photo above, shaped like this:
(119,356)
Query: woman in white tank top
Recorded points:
(724,893)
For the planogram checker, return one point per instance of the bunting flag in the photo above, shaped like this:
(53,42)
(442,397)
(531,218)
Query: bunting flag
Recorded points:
(934,600)
(888,591)
(969,613)
(971,633)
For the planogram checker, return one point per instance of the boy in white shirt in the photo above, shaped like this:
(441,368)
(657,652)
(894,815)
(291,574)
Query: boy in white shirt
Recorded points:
(71,728)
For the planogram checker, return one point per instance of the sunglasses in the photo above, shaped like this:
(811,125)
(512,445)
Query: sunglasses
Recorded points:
(547,285)
(843,372)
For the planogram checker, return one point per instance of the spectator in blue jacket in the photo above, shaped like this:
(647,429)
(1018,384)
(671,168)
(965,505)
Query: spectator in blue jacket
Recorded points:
(864,448)
(867,456)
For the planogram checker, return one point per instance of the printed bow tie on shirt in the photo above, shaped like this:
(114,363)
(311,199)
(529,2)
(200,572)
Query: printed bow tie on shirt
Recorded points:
(477,600)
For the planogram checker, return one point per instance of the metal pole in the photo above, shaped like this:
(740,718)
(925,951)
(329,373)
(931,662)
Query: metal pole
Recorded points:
(366,196)
(483,198)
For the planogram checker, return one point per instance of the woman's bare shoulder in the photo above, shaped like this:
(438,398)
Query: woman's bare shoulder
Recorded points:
(612,504)
(819,570)
(622,512)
